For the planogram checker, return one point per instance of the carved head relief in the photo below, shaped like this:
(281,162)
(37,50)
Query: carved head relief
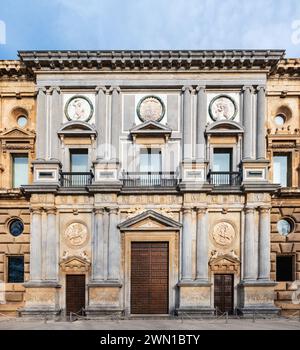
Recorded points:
(222,107)
(76,234)
(223,234)
(151,108)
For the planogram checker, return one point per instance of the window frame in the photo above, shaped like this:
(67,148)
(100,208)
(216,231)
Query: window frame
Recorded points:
(79,151)
(14,155)
(228,150)
(289,155)
(293,257)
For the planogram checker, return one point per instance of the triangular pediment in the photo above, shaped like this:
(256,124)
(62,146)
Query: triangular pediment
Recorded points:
(149,220)
(75,264)
(151,128)
(16,133)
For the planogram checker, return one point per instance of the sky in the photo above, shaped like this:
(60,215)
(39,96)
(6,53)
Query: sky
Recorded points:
(148,24)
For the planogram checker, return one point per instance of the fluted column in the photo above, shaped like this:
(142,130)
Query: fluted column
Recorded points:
(247,113)
(101,121)
(55,123)
(41,119)
(115,122)
(36,246)
(51,253)
(202,245)
(98,257)
(261,130)
(201,123)
(186,254)
(249,245)
(264,243)
(187,123)
(113,246)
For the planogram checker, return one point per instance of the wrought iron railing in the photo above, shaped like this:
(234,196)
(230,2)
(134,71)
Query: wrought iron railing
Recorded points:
(225,178)
(76,179)
(149,179)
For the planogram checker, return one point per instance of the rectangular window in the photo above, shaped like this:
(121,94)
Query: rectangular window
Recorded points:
(222,159)
(20,170)
(282,169)
(79,160)
(150,160)
(285,268)
(15,269)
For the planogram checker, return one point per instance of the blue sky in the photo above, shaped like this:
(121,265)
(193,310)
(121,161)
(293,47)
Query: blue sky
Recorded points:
(149,24)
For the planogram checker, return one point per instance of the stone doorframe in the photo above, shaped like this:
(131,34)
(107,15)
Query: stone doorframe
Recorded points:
(150,227)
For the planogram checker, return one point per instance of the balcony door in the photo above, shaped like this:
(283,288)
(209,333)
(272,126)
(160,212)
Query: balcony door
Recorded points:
(150,166)
(79,167)
(222,166)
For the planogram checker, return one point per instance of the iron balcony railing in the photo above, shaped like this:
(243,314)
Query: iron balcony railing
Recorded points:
(76,179)
(149,179)
(225,178)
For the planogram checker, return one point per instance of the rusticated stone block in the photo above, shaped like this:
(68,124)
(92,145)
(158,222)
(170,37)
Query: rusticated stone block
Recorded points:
(275,247)
(281,286)
(286,248)
(14,297)
(284,295)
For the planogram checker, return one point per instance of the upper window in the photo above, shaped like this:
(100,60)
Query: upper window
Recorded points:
(22,121)
(222,160)
(15,269)
(20,170)
(79,160)
(280,119)
(16,227)
(282,169)
(150,160)
(285,226)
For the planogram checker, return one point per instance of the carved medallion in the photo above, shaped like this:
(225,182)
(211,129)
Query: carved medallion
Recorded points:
(151,108)
(223,234)
(222,107)
(79,108)
(76,234)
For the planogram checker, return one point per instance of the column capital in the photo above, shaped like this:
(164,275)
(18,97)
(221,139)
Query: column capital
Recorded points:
(248,88)
(114,88)
(51,211)
(201,88)
(40,89)
(36,211)
(113,210)
(249,210)
(99,211)
(100,88)
(201,210)
(264,209)
(261,87)
(53,89)
(187,88)
(187,210)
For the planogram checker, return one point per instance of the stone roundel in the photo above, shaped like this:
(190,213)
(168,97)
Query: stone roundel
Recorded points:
(223,234)
(76,234)
(151,108)
(79,108)
(222,107)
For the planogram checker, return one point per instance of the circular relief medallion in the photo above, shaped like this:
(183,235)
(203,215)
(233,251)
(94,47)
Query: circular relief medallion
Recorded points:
(222,107)
(79,108)
(151,108)
(223,234)
(76,234)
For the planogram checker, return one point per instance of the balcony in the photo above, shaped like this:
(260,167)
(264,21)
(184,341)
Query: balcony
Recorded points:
(149,180)
(224,178)
(72,179)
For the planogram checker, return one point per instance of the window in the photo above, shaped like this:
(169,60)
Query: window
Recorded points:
(15,269)
(285,268)
(150,160)
(20,170)
(16,227)
(280,119)
(79,160)
(285,226)
(22,121)
(222,160)
(282,169)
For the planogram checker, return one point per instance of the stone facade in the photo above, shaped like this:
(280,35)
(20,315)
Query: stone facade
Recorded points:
(188,107)
(17,98)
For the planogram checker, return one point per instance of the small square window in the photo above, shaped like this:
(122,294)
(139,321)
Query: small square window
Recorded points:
(15,269)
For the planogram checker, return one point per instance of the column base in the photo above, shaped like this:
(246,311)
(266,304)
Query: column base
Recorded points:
(194,298)
(104,299)
(257,298)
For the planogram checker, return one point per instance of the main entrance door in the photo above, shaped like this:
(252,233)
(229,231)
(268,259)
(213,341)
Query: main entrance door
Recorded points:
(75,293)
(149,277)
(223,293)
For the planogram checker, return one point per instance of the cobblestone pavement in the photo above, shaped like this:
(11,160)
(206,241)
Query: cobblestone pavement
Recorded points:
(233,324)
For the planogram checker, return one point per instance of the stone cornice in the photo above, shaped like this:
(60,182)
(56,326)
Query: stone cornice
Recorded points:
(288,67)
(266,60)
(13,68)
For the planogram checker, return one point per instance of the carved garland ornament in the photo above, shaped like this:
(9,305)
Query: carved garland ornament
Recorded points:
(76,234)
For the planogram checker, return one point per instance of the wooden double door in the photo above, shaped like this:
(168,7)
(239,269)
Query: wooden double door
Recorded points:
(223,292)
(149,278)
